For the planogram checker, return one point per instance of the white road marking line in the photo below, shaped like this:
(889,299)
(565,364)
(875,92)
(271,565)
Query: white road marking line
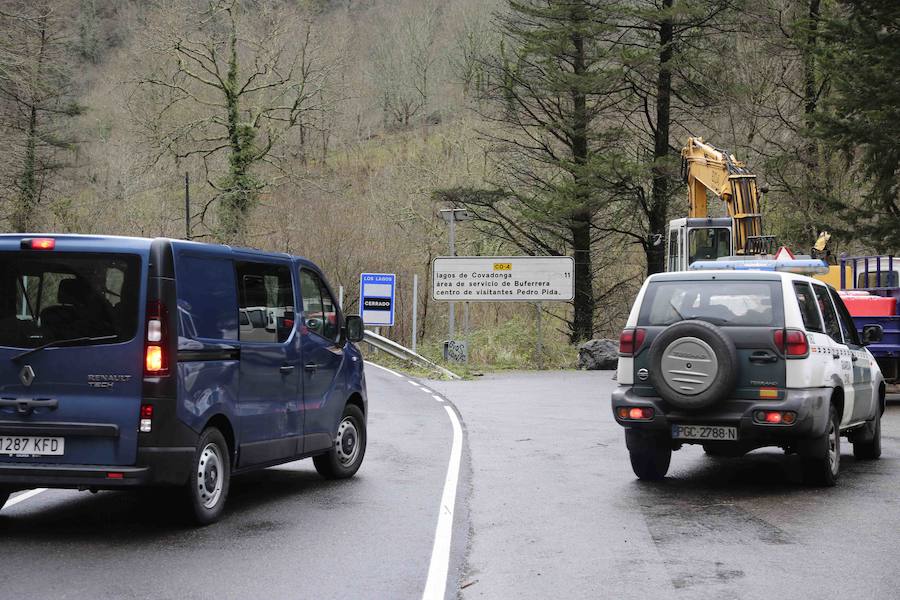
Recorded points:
(436,584)
(371,364)
(414,383)
(23,497)
(436,397)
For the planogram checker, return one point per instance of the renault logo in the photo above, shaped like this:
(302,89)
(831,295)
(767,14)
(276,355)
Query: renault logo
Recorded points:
(26,375)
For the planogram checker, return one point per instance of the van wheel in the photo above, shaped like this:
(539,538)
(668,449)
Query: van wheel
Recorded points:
(823,465)
(872,449)
(210,478)
(649,460)
(346,456)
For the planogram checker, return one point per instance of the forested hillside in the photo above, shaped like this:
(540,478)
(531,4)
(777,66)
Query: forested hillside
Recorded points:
(337,129)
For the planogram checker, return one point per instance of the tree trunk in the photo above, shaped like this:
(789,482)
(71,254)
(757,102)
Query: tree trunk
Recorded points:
(23,216)
(659,197)
(814,158)
(583,322)
(239,191)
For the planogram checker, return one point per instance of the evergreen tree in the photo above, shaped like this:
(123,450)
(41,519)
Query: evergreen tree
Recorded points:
(862,116)
(557,85)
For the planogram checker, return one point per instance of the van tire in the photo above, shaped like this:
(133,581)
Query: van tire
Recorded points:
(871,449)
(210,478)
(349,448)
(650,460)
(822,456)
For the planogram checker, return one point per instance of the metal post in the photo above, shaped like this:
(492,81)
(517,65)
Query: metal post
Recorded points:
(415,309)
(540,341)
(187,206)
(452,253)
(341,297)
(466,319)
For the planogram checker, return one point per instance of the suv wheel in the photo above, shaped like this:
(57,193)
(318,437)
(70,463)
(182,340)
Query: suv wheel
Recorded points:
(210,479)
(650,458)
(346,455)
(822,466)
(871,449)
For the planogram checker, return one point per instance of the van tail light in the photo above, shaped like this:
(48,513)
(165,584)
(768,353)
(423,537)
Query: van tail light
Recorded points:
(146,418)
(630,341)
(38,244)
(792,342)
(156,362)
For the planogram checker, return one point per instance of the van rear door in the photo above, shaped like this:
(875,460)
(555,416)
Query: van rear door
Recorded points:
(70,355)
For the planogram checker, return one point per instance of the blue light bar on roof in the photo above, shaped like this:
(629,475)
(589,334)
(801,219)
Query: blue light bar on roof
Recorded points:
(802,266)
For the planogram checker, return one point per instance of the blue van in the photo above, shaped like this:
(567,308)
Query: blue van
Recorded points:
(131,362)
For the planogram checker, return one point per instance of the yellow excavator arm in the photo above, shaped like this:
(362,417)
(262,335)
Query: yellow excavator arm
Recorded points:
(710,168)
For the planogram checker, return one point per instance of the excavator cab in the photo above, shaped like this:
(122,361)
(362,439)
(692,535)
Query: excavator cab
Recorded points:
(708,169)
(694,239)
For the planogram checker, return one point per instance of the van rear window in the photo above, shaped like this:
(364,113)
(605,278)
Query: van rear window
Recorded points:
(720,302)
(62,296)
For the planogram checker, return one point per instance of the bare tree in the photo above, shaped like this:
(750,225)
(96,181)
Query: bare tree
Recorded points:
(36,101)
(233,82)
(403,63)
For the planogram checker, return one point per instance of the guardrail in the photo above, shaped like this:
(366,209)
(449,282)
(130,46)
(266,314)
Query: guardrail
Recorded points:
(403,353)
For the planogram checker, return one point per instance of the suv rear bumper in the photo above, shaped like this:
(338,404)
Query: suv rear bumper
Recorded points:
(155,466)
(811,406)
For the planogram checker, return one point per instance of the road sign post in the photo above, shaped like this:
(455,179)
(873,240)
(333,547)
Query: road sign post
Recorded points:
(377,294)
(452,216)
(415,311)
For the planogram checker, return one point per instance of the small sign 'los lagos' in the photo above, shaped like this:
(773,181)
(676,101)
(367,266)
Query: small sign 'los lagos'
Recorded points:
(376,292)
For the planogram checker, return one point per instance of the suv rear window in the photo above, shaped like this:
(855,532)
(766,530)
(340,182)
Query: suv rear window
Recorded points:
(62,296)
(720,302)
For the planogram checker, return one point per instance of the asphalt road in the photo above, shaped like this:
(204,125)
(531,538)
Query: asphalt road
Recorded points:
(557,513)
(546,507)
(287,532)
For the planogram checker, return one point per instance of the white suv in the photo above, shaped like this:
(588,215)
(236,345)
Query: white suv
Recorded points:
(738,360)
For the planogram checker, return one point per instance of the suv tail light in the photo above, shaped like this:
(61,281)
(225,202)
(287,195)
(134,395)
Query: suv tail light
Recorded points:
(156,361)
(635,413)
(792,342)
(630,341)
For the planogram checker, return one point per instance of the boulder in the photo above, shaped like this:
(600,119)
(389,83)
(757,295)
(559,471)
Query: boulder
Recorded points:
(598,355)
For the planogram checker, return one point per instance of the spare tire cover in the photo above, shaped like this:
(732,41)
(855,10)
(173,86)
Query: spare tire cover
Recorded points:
(693,364)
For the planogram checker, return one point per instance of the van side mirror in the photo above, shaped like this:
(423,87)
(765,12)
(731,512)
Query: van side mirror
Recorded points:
(872,334)
(354,328)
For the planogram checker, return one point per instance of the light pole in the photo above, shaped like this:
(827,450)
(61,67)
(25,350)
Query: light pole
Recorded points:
(452,215)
